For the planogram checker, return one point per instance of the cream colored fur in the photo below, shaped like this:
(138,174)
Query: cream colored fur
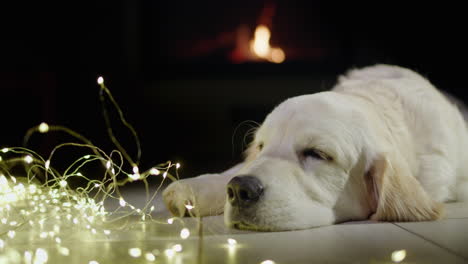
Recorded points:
(398,151)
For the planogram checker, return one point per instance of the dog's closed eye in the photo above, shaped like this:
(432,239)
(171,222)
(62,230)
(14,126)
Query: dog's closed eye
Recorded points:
(315,154)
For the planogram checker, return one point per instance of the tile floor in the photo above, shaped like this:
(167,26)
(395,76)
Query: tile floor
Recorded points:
(444,241)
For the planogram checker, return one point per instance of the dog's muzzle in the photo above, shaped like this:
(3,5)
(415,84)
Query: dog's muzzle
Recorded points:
(244,191)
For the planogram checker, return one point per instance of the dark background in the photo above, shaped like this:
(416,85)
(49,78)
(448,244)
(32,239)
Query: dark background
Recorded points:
(167,64)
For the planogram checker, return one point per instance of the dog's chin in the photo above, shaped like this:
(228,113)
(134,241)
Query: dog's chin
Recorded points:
(249,219)
(243,219)
(255,218)
(242,225)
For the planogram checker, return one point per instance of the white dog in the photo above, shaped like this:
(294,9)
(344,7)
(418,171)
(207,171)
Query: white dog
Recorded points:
(384,144)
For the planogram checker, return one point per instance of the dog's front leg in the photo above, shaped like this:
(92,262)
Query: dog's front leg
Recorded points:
(206,193)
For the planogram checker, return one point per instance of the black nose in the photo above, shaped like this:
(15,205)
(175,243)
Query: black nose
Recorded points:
(244,191)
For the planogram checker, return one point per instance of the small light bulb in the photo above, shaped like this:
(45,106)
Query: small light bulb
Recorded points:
(184,233)
(170,221)
(93,262)
(232,242)
(11,234)
(150,257)
(107,232)
(122,202)
(177,247)
(177,165)
(5,150)
(267,262)
(41,256)
(43,127)
(154,171)
(189,206)
(169,253)
(134,252)
(135,170)
(165,174)
(108,164)
(100,80)
(64,251)
(28,159)
(134,177)
(47,164)
(63,183)
(399,255)
(27,256)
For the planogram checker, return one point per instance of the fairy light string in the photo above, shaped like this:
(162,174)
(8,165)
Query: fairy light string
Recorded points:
(42,202)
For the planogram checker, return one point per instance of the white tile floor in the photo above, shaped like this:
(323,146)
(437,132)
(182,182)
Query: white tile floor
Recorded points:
(444,241)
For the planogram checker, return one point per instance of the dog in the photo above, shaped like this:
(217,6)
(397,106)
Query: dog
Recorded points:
(384,144)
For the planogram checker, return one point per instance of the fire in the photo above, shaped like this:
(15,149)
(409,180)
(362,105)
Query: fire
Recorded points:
(260,46)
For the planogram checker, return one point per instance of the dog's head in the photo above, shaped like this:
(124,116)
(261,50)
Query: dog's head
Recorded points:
(316,161)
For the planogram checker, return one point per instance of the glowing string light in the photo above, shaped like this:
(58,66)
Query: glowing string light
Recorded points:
(43,127)
(154,171)
(122,202)
(11,234)
(231,242)
(64,251)
(47,164)
(100,80)
(63,183)
(398,256)
(134,252)
(28,256)
(150,256)
(40,256)
(169,253)
(134,176)
(28,159)
(51,209)
(184,233)
(177,247)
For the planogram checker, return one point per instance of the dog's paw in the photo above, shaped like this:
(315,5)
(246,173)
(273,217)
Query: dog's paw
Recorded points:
(178,197)
(199,196)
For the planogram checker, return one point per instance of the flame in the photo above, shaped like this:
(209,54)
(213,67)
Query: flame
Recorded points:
(260,46)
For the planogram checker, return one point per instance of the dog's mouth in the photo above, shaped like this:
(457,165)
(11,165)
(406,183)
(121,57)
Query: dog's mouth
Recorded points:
(243,225)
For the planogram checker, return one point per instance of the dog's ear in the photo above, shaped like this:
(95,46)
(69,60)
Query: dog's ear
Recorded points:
(395,195)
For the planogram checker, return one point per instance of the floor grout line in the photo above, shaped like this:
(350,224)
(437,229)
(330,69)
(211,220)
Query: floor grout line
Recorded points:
(432,242)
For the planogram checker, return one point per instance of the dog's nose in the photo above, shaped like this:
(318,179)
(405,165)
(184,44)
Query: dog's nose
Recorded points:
(244,191)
